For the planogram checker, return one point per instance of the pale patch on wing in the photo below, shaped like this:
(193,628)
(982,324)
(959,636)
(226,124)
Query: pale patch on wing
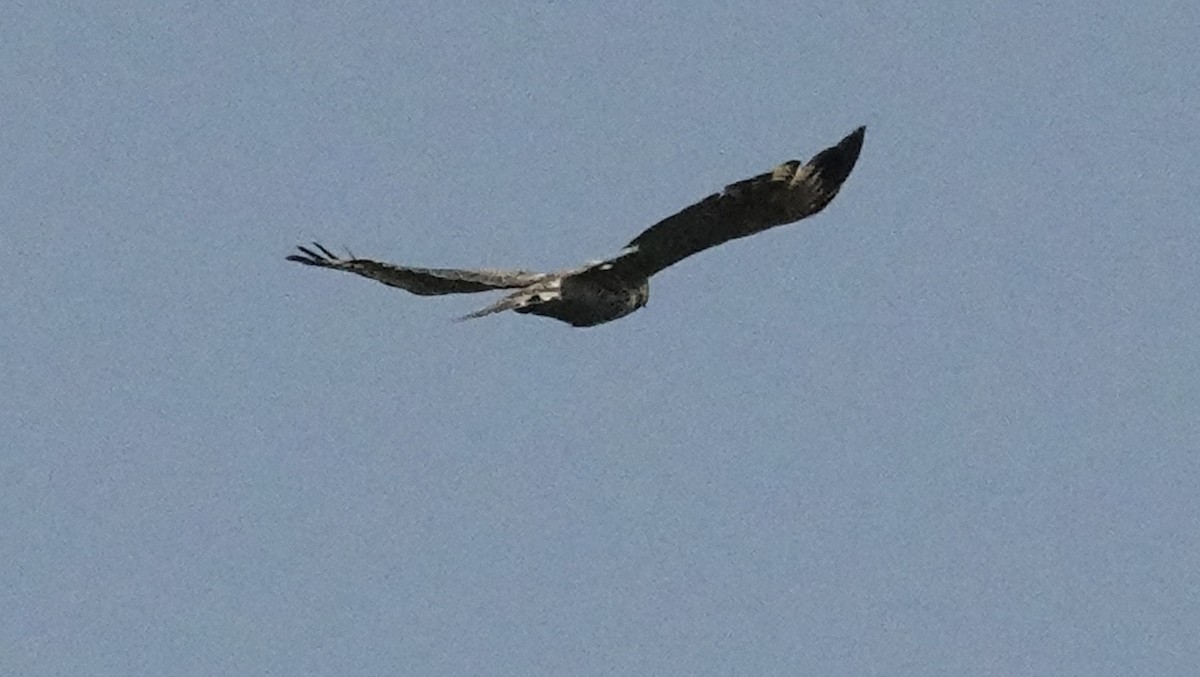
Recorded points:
(786,194)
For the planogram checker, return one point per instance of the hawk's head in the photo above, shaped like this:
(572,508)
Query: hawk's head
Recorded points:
(641,295)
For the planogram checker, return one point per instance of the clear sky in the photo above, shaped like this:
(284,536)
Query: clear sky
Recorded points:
(949,426)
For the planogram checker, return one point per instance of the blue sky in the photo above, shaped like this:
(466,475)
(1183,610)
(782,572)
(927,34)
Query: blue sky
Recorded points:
(946,427)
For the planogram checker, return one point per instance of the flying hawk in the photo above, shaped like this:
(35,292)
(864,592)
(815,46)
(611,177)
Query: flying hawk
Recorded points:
(607,290)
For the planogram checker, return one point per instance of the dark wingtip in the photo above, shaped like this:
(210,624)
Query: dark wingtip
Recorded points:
(312,258)
(835,163)
(851,146)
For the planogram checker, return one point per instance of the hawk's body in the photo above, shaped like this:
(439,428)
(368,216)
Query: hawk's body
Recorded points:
(582,298)
(601,292)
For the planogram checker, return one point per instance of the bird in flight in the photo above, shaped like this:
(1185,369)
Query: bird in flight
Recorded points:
(607,290)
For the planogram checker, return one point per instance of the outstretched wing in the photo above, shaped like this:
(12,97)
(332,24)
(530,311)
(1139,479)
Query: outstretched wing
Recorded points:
(423,281)
(784,195)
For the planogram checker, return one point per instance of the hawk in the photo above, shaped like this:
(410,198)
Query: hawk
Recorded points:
(604,291)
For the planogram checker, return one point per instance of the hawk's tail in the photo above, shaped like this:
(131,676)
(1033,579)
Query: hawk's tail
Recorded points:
(517,301)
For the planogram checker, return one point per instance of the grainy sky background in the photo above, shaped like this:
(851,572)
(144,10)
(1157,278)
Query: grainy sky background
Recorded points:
(947,427)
